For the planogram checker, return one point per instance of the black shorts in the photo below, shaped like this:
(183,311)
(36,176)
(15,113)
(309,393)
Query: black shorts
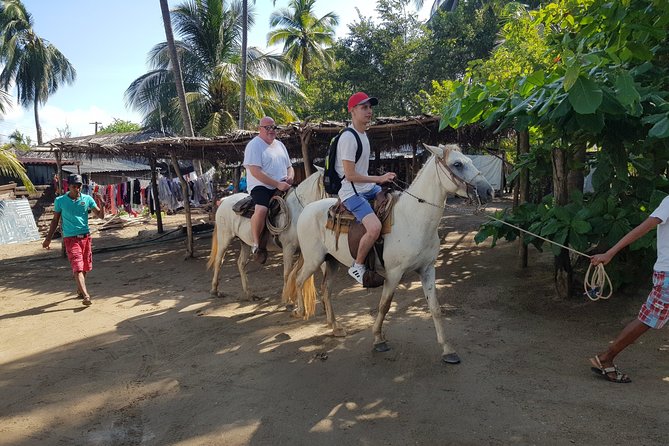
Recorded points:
(261,195)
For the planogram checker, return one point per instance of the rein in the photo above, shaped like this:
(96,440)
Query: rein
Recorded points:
(595,281)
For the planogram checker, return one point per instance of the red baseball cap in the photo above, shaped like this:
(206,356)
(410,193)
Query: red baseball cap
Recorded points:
(360,98)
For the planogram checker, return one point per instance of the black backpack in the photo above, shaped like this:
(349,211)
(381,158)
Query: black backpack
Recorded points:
(331,179)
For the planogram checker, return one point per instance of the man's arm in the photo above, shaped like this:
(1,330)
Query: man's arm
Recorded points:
(355,177)
(291,175)
(52,229)
(257,172)
(632,236)
(99,209)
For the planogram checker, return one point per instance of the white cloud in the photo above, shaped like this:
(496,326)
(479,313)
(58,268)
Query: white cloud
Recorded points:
(80,121)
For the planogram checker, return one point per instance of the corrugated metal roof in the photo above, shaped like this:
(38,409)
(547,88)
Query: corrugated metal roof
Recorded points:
(104,165)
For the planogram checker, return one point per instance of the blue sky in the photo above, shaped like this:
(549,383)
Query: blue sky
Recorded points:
(108,41)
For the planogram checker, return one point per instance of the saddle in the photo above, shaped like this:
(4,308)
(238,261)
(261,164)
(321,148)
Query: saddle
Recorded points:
(341,220)
(246,208)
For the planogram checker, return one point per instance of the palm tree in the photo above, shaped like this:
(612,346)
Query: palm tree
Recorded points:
(304,36)
(34,65)
(9,164)
(209,53)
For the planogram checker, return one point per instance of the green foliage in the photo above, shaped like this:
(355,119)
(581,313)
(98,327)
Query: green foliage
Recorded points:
(305,37)
(210,58)
(120,126)
(602,83)
(31,64)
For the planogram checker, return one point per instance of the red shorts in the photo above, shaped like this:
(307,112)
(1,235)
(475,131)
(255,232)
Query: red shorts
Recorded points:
(79,252)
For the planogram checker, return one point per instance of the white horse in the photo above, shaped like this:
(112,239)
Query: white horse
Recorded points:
(412,245)
(230,225)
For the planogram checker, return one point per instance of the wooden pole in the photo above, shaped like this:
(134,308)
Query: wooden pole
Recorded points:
(523,189)
(305,137)
(156,198)
(184,189)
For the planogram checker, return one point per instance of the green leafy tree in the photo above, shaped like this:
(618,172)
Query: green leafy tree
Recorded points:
(304,36)
(31,63)
(120,126)
(605,88)
(209,52)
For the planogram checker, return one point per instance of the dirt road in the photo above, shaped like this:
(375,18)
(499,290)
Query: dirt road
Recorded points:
(156,361)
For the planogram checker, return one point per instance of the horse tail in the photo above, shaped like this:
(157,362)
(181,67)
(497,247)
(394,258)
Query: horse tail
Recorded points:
(214,249)
(290,290)
(308,289)
(309,297)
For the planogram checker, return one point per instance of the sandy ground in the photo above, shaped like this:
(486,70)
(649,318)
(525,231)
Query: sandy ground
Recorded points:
(157,361)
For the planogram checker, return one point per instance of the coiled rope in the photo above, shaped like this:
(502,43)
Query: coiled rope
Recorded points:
(276,230)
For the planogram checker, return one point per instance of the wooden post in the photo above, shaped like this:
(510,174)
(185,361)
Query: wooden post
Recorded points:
(523,189)
(305,138)
(237,177)
(156,198)
(184,189)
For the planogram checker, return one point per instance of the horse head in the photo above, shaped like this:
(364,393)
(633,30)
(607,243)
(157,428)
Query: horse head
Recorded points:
(461,173)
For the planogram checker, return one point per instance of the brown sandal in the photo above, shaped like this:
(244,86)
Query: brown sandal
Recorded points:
(87,300)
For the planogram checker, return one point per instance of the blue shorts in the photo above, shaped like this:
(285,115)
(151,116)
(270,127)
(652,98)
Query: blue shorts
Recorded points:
(358,204)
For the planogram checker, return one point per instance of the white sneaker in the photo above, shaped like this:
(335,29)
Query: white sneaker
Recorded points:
(357,272)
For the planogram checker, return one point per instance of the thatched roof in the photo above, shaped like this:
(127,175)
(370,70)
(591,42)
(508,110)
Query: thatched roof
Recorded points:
(385,134)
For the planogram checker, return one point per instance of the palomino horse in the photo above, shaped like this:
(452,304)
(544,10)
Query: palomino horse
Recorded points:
(230,225)
(412,245)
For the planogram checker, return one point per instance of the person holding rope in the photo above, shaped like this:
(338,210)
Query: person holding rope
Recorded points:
(268,168)
(357,185)
(73,208)
(654,312)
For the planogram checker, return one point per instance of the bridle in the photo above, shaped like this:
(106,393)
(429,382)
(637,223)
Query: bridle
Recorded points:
(443,167)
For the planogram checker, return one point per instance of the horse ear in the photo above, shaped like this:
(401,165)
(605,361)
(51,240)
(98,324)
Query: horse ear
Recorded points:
(434,150)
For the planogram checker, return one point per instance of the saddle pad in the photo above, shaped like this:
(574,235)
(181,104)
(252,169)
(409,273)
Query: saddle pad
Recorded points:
(340,218)
(244,207)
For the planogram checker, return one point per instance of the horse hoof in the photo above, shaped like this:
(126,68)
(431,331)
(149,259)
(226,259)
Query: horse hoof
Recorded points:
(382,347)
(339,332)
(451,358)
(296,315)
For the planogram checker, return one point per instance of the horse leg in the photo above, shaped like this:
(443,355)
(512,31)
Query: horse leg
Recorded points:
(331,267)
(242,260)
(288,261)
(427,277)
(392,279)
(222,242)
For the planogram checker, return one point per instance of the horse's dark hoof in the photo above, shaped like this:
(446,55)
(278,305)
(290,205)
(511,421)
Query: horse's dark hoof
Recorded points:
(451,358)
(381,347)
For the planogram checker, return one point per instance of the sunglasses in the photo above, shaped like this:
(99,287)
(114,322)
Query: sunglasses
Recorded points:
(269,127)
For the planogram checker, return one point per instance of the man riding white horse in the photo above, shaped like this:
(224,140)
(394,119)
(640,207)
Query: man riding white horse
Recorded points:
(357,186)
(268,168)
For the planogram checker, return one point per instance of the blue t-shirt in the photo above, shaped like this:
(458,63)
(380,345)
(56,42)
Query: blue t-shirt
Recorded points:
(74,213)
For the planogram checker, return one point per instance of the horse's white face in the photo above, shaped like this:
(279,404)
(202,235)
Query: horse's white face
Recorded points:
(468,178)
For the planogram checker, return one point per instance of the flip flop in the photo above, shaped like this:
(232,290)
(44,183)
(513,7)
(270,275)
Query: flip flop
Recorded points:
(87,300)
(604,372)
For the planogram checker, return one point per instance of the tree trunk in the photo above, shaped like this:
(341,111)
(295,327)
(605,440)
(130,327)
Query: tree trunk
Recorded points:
(38,127)
(564,273)
(242,84)
(575,176)
(188,126)
(178,78)
(523,191)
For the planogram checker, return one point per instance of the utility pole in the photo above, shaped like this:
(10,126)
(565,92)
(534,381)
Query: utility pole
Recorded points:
(96,126)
